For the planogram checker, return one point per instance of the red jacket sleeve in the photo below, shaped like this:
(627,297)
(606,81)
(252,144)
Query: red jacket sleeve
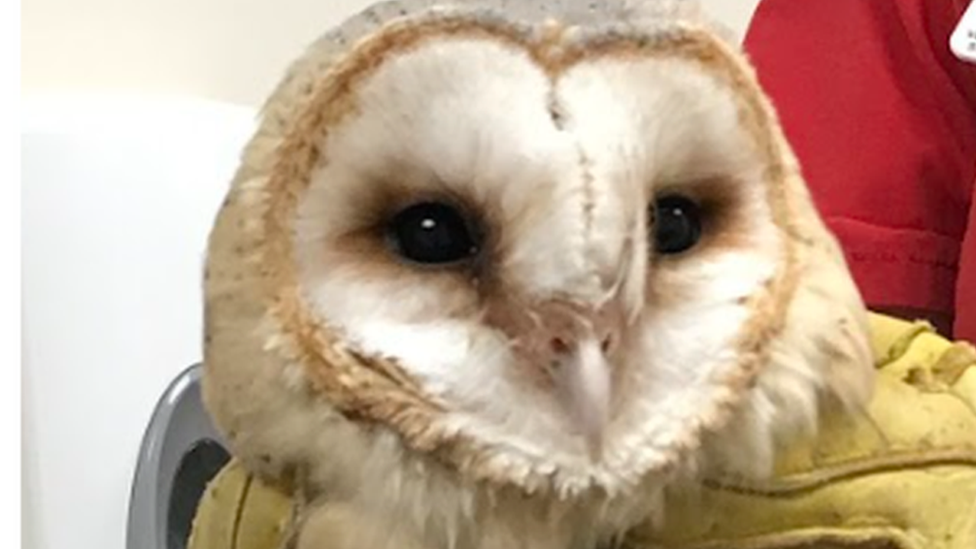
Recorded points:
(965,327)
(883,119)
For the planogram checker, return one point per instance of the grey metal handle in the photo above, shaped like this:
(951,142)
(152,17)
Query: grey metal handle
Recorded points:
(181,452)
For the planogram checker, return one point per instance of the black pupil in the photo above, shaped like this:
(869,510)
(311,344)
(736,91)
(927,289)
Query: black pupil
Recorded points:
(677,224)
(432,233)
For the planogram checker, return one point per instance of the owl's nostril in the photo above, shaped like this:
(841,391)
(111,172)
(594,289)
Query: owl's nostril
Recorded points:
(558,346)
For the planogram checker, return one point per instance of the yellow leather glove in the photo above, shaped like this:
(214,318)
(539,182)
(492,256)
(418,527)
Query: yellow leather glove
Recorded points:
(901,477)
(240,512)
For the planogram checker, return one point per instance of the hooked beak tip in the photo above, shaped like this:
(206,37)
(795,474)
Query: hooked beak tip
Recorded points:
(585,379)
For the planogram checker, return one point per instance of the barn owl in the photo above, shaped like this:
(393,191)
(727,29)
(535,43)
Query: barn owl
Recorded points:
(500,274)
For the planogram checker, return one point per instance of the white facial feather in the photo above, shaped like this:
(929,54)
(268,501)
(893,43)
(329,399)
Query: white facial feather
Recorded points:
(473,117)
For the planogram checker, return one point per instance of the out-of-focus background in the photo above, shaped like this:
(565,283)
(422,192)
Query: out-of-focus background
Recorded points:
(228,50)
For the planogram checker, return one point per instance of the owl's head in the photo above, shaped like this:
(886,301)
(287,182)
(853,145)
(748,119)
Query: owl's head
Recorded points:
(560,246)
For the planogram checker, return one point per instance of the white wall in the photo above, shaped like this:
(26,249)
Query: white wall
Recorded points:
(16,42)
(119,195)
(16,483)
(18,497)
(229,50)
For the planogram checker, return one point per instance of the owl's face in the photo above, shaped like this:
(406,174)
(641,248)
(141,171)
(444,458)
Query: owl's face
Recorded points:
(573,247)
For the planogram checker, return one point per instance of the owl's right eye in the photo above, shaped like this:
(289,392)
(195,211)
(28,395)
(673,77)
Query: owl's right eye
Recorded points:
(432,233)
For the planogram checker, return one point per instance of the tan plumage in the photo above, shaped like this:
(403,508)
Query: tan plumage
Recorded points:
(546,389)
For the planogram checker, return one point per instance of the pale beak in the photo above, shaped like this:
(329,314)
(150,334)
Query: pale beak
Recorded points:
(583,379)
(572,346)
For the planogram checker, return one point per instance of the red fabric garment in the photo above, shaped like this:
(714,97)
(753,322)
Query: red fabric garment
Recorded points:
(883,119)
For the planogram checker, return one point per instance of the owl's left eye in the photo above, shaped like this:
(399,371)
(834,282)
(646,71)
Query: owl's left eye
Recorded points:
(677,224)
(433,233)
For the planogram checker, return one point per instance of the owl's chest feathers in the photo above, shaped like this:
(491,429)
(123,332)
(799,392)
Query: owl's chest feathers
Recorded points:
(401,499)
